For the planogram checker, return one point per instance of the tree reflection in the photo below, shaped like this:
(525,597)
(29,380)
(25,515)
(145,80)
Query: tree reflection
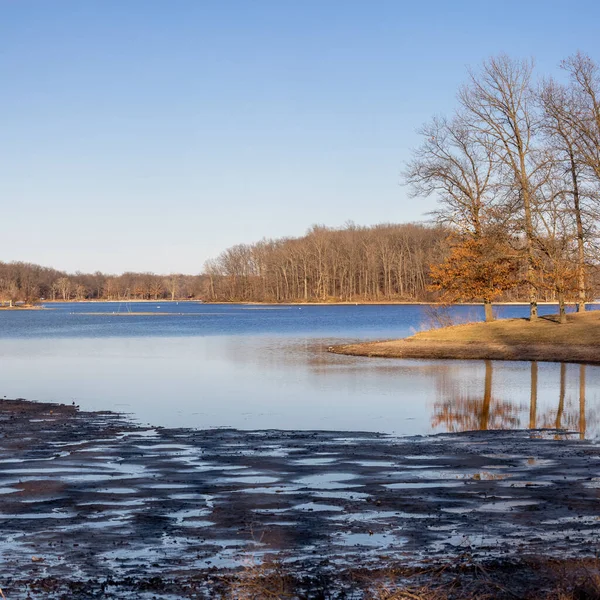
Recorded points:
(569,415)
(468,413)
(456,411)
(533,397)
(582,401)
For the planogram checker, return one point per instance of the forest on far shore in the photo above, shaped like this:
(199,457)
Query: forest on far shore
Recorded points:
(30,283)
(383,263)
(380,263)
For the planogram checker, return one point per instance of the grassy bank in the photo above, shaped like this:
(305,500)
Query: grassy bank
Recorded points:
(545,339)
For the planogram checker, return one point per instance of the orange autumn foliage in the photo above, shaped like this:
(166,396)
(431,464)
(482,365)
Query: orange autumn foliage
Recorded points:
(477,269)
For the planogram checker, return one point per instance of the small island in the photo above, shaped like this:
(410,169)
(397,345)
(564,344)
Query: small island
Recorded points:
(544,339)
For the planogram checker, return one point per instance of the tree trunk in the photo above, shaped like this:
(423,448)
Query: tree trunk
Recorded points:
(562,313)
(533,309)
(489,313)
(529,231)
(580,238)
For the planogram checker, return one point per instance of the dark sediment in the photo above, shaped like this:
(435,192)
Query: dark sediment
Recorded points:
(92,505)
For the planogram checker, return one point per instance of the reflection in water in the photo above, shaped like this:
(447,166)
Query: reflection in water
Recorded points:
(582,401)
(533,400)
(455,411)
(471,412)
(561,396)
(282,382)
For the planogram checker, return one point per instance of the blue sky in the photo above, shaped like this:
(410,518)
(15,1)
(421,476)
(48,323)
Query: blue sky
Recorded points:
(150,135)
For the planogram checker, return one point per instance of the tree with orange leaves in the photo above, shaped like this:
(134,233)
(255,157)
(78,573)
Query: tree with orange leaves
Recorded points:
(477,269)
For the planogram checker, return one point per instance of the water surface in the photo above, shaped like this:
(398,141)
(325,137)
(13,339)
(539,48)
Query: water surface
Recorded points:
(260,367)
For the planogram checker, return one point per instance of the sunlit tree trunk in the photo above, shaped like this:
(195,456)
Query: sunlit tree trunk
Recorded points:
(580,238)
(562,312)
(489,313)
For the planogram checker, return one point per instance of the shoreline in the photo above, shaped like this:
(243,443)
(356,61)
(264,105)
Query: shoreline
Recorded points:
(407,349)
(546,340)
(49,303)
(389,303)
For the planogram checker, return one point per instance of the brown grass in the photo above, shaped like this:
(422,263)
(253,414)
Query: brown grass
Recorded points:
(546,339)
(261,581)
(570,579)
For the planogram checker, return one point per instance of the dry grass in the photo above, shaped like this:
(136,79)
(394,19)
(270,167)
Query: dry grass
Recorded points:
(580,329)
(578,340)
(262,581)
(536,580)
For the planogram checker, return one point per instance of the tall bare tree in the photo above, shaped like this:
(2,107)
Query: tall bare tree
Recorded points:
(500,106)
(584,117)
(457,165)
(560,105)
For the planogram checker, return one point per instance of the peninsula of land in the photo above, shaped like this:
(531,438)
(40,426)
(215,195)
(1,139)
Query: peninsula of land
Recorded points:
(577,340)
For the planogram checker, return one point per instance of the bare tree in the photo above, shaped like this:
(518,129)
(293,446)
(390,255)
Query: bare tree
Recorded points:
(172,284)
(499,105)
(64,287)
(559,105)
(457,165)
(156,288)
(80,292)
(555,240)
(9,291)
(584,114)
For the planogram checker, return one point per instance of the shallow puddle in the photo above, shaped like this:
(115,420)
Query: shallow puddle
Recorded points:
(407,485)
(505,505)
(314,461)
(370,540)
(251,479)
(315,506)
(327,481)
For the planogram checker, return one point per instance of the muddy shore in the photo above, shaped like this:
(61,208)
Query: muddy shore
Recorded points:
(94,506)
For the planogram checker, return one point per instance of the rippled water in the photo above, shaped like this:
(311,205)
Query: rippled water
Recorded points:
(257,367)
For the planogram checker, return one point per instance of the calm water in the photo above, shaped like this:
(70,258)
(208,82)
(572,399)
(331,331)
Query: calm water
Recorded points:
(262,367)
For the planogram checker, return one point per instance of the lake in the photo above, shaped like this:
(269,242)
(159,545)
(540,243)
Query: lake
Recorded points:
(267,367)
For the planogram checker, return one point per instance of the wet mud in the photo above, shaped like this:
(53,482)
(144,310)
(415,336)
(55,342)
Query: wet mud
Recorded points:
(93,505)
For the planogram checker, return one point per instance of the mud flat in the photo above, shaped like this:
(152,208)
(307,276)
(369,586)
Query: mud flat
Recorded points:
(577,340)
(95,506)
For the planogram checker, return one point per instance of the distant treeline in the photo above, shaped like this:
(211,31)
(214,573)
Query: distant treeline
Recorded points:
(26,282)
(384,262)
(387,262)
(381,263)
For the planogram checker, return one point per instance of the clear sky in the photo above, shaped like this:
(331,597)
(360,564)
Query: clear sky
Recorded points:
(150,135)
